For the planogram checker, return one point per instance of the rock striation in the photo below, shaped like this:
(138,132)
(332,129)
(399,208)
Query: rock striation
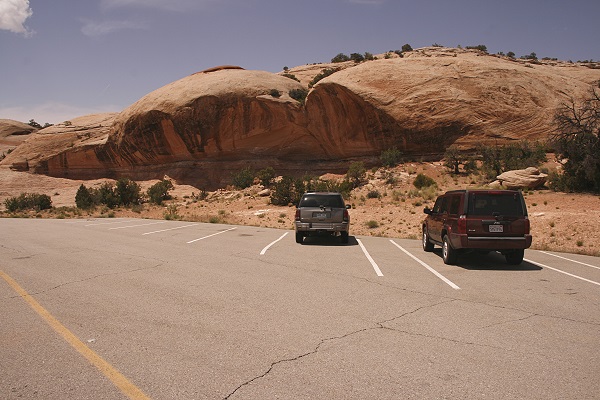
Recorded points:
(203,127)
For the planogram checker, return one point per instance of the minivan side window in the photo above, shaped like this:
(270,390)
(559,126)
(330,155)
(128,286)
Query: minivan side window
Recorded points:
(440,205)
(454,202)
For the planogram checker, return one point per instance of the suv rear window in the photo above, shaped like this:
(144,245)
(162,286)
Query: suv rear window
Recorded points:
(490,203)
(325,200)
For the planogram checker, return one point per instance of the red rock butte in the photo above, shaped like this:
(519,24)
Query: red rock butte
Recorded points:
(203,127)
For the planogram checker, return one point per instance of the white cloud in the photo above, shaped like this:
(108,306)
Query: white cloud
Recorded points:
(13,14)
(53,113)
(93,28)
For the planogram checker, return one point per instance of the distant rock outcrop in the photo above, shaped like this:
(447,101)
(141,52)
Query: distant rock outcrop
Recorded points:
(528,178)
(10,127)
(209,124)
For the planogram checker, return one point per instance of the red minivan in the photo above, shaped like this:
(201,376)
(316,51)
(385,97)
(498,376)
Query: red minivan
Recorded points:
(484,220)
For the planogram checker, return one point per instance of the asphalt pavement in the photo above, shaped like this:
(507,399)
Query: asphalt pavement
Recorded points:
(133,308)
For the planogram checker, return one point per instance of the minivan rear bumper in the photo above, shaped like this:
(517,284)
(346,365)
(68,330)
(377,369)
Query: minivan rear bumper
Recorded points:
(321,227)
(461,241)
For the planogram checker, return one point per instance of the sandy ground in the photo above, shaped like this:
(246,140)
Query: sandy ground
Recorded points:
(562,222)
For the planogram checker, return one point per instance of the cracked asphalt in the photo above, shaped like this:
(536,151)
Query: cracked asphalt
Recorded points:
(215,319)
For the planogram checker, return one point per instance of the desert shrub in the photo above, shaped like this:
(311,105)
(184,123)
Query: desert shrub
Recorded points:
(266,176)
(423,181)
(28,201)
(498,159)
(128,192)
(341,57)
(106,194)
(323,74)
(390,157)
(84,198)
(479,47)
(372,224)
(356,174)
(357,58)
(406,48)
(299,95)
(243,179)
(577,140)
(275,93)
(291,76)
(159,192)
(285,192)
(373,194)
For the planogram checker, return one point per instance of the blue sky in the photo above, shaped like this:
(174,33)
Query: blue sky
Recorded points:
(61,59)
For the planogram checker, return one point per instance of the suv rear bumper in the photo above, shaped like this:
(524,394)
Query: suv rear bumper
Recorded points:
(461,241)
(321,227)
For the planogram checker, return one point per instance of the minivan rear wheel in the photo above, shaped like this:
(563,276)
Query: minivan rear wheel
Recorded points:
(515,257)
(449,255)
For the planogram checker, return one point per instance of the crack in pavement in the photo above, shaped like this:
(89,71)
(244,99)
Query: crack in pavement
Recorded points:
(89,279)
(322,342)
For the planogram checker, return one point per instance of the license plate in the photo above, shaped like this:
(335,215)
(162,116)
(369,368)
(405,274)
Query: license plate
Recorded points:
(496,228)
(320,215)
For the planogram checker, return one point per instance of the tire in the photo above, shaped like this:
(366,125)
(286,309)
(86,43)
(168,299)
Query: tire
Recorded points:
(344,237)
(299,237)
(427,245)
(449,255)
(515,257)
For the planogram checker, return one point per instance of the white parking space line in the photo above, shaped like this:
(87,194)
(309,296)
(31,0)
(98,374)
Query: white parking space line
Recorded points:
(169,229)
(214,234)
(373,263)
(135,226)
(433,271)
(272,243)
(122,221)
(568,259)
(561,271)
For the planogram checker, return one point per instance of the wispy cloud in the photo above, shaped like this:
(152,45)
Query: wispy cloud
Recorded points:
(95,28)
(13,14)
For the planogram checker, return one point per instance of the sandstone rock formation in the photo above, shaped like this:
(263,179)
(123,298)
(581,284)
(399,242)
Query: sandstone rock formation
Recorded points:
(10,127)
(203,127)
(528,178)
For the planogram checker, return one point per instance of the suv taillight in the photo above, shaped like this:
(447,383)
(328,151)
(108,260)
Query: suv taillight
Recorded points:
(297,217)
(462,224)
(527,226)
(346,216)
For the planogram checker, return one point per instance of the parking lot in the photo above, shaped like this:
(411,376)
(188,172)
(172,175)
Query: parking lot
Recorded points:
(117,308)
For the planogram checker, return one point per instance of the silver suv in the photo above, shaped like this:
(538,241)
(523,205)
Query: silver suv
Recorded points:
(321,213)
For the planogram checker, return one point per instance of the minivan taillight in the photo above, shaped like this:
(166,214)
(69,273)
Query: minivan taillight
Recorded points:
(462,224)
(297,217)
(346,216)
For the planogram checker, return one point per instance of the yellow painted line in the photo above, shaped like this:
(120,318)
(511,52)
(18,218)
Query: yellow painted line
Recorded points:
(118,379)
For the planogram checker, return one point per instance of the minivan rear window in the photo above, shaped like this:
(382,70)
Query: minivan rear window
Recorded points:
(508,204)
(325,200)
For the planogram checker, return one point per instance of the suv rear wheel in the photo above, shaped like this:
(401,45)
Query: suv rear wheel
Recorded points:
(427,245)
(448,253)
(345,236)
(299,237)
(515,257)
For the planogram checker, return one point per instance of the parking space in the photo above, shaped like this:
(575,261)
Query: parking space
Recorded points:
(370,257)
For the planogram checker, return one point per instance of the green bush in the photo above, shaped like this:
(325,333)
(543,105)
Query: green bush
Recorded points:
(128,192)
(391,157)
(323,74)
(423,181)
(243,179)
(28,201)
(84,198)
(406,48)
(159,192)
(299,95)
(341,57)
(373,194)
(286,192)
(266,176)
(499,159)
(356,174)
(275,93)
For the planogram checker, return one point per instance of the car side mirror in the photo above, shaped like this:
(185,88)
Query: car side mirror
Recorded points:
(427,211)
(348,206)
